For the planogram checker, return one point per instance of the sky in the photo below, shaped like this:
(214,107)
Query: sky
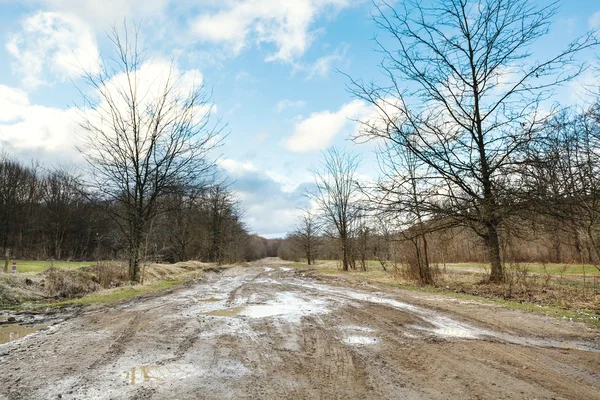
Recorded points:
(273,67)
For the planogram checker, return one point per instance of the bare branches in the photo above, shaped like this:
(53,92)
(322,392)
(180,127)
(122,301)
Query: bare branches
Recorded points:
(147,132)
(335,196)
(463,101)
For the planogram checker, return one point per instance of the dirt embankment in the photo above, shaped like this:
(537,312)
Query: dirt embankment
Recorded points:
(271,332)
(61,284)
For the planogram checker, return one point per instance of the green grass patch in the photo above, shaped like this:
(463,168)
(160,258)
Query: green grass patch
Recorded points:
(41,266)
(115,295)
(537,268)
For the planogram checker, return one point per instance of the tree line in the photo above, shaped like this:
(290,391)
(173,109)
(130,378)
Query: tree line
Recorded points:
(471,143)
(50,214)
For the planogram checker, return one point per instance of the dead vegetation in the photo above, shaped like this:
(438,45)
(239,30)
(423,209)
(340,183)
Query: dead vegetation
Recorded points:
(550,291)
(61,284)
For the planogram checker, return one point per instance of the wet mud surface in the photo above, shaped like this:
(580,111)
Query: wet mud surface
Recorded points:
(271,332)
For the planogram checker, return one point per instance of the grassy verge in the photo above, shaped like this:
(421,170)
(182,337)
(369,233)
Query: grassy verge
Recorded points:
(118,294)
(537,268)
(589,316)
(100,283)
(558,297)
(40,266)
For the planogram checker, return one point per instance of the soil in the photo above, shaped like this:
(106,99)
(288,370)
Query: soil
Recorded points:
(267,331)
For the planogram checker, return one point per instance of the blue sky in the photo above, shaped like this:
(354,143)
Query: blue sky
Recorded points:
(270,63)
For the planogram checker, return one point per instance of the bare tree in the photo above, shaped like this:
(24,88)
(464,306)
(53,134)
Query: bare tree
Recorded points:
(402,192)
(462,83)
(336,196)
(146,133)
(307,235)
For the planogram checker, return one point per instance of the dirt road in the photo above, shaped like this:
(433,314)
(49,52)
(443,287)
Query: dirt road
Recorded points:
(271,332)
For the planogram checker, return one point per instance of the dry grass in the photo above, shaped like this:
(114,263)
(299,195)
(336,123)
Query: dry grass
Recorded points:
(554,293)
(104,281)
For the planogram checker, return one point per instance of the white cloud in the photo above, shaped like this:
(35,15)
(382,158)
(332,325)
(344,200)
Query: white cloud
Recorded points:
(13,102)
(284,24)
(319,129)
(235,168)
(52,45)
(594,21)
(103,13)
(51,134)
(285,104)
(324,65)
(33,131)
(271,200)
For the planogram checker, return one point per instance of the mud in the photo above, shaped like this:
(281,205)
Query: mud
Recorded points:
(271,332)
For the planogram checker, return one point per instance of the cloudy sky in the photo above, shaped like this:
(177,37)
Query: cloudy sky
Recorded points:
(271,64)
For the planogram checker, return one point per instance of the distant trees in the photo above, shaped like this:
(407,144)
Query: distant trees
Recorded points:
(144,137)
(335,196)
(464,98)
(307,235)
(43,214)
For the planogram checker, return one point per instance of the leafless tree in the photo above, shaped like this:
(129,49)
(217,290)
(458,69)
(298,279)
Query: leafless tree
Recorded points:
(463,85)
(307,235)
(144,136)
(336,196)
(563,173)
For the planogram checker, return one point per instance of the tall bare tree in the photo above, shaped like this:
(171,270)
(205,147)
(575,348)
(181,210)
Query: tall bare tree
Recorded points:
(307,235)
(336,196)
(462,82)
(146,132)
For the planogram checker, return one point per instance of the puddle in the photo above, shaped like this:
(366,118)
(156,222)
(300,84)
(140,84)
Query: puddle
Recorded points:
(438,324)
(286,305)
(357,340)
(209,300)
(286,269)
(8,333)
(156,373)
(226,312)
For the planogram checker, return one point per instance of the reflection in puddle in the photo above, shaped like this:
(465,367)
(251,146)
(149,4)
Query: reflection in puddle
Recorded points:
(156,373)
(8,333)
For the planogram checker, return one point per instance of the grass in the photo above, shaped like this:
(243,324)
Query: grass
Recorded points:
(41,266)
(537,268)
(591,317)
(570,304)
(116,295)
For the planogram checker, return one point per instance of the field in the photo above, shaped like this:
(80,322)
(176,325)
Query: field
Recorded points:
(571,292)
(26,266)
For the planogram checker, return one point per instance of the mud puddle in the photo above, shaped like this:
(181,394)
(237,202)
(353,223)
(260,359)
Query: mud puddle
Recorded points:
(226,312)
(357,340)
(11,332)
(157,373)
(209,300)
(286,305)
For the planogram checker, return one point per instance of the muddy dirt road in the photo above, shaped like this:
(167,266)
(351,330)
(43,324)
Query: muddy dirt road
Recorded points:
(270,332)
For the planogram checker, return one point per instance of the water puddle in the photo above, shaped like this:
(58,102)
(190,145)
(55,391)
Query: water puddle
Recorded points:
(156,373)
(209,300)
(226,312)
(357,340)
(286,306)
(8,333)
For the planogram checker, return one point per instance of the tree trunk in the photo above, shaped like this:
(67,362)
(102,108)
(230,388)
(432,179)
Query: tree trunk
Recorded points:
(426,277)
(345,261)
(493,244)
